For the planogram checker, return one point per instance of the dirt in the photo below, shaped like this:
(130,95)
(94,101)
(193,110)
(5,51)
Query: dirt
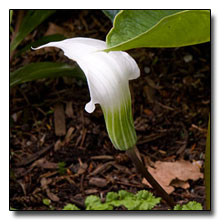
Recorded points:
(171,105)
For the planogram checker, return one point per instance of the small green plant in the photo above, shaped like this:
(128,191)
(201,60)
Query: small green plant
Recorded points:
(142,200)
(189,206)
(61,168)
(47,202)
(70,206)
(13,209)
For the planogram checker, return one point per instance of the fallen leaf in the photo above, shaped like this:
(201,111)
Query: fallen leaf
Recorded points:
(180,183)
(170,174)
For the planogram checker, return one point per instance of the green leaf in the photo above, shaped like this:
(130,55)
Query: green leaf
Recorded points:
(111,14)
(34,71)
(158,28)
(70,207)
(61,168)
(10,15)
(46,202)
(111,196)
(41,41)
(94,203)
(143,200)
(208,169)
(13,209)
(189,206)
(31,20)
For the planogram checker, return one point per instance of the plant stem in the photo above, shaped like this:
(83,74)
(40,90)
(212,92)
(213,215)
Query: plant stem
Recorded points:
(145,173)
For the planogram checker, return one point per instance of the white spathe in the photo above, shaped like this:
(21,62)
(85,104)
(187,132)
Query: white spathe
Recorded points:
(107,73)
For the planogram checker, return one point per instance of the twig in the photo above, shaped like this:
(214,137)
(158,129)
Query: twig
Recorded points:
(145,173)
(33,157)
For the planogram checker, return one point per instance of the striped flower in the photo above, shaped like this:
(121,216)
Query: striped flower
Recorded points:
(107,76)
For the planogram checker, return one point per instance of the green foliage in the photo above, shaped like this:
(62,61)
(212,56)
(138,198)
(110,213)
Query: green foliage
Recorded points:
(31,20)
(13,209)
(143,200)
(111,14)
(10,19)
(46,202)
(189,206)
(34,71)
(61,168)
(70,207)
(158,28)
(208,169)
(10,16)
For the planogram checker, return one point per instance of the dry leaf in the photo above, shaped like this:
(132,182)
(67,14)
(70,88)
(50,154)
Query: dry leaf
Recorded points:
(180,183)
(55,29)
(170,174)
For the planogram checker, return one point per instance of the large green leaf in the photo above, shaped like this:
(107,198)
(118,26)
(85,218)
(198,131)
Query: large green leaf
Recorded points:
(158,28)
(111,14)
(41,70)
(31,20)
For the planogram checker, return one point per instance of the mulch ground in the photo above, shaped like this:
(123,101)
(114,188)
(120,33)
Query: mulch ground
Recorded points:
(60,152)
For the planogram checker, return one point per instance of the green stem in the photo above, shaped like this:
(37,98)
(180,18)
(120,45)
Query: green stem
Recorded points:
(145,173)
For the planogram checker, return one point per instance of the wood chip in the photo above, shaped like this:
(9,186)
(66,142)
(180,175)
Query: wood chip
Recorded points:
(99,182)
(102,168)
(102,157)
(69,110)
(59,120)
(68,136)
(52,196)
(45,164)
(58,145)
(91,191)
(44,184)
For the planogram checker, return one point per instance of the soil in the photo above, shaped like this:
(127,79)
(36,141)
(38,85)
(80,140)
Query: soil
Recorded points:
(171,105)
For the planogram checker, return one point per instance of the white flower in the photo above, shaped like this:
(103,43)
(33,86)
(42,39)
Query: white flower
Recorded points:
(107,76)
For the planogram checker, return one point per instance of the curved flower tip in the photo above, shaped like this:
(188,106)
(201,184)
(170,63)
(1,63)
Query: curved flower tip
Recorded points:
(107,76)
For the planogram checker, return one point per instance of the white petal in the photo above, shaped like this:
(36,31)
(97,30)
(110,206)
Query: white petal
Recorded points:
(78,47)
(107,73)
